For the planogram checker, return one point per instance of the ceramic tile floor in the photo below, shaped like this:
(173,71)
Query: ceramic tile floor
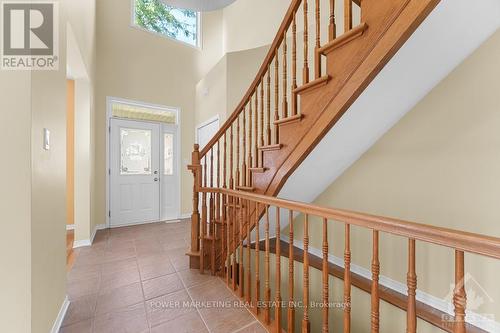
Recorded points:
(137,279)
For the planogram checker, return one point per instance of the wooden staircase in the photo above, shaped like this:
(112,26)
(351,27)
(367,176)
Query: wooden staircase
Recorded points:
(279,121)
(302,89)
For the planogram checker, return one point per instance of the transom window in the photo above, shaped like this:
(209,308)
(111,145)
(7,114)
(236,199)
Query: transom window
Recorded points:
(158,17)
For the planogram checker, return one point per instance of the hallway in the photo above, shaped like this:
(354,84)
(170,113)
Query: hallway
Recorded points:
(137,279)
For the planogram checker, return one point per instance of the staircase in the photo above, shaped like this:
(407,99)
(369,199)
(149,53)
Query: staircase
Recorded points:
(308,80)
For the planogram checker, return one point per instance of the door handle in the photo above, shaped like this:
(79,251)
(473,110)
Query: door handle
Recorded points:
(156,179)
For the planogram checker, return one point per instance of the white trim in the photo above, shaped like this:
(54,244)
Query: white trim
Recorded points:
(480,321)
(109,101)
(70,226)
(97,227)
(89,242)
(81,243)
(60,316)
(215,118)
(199,39)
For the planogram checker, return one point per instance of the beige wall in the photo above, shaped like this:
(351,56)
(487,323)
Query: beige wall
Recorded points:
(211,92)
(252,23)
(242,68)
(439,165)
(15,202)
(34,244)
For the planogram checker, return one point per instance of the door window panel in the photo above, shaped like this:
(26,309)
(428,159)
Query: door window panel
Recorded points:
(135,146)
(168,153)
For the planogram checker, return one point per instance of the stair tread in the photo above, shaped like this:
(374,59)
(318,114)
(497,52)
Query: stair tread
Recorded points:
(258,170)
(289,120)
(344,39)
(313,84)
(277,146)
(193,253)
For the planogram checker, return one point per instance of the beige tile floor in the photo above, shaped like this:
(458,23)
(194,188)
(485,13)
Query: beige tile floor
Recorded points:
(136,279)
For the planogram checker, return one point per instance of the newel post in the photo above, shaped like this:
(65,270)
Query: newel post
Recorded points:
(195,167)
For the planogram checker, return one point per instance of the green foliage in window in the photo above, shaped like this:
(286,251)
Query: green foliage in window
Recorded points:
(156,16)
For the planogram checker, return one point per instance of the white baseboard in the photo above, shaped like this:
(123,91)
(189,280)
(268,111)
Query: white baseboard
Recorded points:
(185,216)
(478,320)
(60,316)
(97,227)
(70,227)
(88,242)
(81,243)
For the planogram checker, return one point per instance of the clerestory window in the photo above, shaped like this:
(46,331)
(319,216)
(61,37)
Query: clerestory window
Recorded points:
(158,17)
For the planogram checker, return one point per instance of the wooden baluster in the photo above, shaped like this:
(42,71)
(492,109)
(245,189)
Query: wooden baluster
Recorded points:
(240,232)
(244,148)
(332,27)
(306,326)
(257,259)
(375,289)
(203,218)
(459,296)
(305,74)
(347,279)
(250,138)
(284,111)
(261,155)
(230,209)
(325,276)
(238,144)
(411,311)
(212,215)
(294,66)
(256,131)
(235,241)
(267,287)
(225,223)
(249,254)
(219,227)
(277,310)
(347,15)
(276,100)
(268,106)
(231,156)
(317,56)
(291,261)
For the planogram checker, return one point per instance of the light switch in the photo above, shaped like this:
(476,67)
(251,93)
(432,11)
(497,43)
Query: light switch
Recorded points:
(46,139)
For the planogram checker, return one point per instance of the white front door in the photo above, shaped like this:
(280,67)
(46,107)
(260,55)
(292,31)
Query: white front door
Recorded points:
(134,169)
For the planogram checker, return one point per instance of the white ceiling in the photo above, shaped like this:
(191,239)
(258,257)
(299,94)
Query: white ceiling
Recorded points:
(199,5)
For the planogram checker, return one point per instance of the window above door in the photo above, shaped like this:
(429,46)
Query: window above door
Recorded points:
(168,21)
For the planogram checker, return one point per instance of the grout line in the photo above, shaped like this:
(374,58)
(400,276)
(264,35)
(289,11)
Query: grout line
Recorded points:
(189,294)
(246,326)
(148,321)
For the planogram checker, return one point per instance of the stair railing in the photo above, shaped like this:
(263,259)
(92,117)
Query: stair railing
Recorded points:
(236,151)
(234,267)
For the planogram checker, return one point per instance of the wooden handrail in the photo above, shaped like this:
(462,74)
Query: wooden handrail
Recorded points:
(285,24)
(459,240)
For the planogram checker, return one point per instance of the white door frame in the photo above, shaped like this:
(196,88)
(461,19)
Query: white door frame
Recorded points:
(109,102)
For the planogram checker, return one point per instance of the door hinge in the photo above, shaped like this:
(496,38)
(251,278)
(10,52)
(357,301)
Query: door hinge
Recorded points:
(109,129)
(109,213)
(109,171)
